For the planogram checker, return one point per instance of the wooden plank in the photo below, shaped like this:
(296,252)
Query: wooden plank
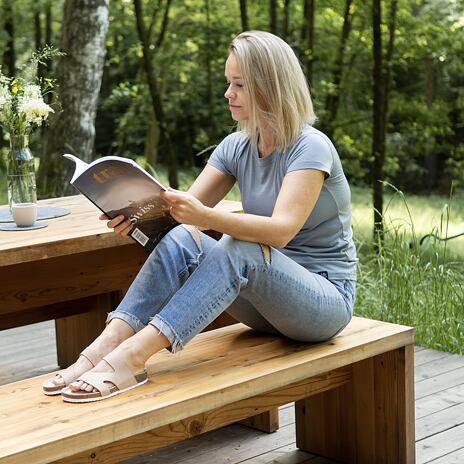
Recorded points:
(439,383)
(439,366)
(224,438)
(456,457)
(58,280)
(205,422)
(78,232)
(439,401)
(288,454)
(427,355)
(233,444)
(241,363)
(368,420)
(440,421)
(440,445)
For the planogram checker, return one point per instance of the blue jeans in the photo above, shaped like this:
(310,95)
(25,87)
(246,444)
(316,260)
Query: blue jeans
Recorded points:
(190,279)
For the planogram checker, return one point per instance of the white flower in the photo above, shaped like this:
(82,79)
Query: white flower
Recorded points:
(32,91)
(34,109)
(5,96)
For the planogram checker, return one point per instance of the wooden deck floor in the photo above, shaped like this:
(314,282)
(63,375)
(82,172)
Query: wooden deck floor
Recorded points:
(30,350)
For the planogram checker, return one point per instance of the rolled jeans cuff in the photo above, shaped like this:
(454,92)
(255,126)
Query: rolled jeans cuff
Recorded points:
(166,329)
(128,318)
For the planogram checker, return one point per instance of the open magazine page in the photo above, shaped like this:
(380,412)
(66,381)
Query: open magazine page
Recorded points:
(117,187)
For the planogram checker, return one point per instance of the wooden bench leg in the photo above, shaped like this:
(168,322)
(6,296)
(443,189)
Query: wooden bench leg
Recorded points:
(266,422)
(74,333)
(370,419)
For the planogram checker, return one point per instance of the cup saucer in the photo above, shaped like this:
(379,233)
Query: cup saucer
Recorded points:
(11,226)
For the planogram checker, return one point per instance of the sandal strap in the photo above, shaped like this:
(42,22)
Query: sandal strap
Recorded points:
(121,377)
(69,375)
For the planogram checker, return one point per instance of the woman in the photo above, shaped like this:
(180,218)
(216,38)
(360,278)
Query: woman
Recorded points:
(287,266)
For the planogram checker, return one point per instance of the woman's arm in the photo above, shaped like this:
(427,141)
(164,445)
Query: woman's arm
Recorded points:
(211,186)
(297,197)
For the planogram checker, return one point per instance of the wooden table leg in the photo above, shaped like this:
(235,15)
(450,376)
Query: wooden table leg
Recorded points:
(370,419)
(74,333)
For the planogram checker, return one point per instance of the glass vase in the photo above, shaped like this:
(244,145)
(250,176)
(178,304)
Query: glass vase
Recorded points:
(20,172)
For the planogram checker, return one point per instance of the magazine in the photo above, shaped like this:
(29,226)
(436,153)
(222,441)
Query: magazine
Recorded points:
(120,186)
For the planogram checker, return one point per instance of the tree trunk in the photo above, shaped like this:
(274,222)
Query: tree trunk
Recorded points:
(273,16)
(38,39)
(333,99)
(286,19)
(48,23)
(151,141)
(164,27)
(382,76)
(244,14)
(307,38)
(378,132)
(9,56)
(155,96)
(79,73)
(209,79)
(431,158)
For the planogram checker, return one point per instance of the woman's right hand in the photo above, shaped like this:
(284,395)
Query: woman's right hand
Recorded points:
(119,224)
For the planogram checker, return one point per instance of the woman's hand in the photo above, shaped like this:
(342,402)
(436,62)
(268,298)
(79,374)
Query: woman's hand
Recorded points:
(119,224)
(185,208)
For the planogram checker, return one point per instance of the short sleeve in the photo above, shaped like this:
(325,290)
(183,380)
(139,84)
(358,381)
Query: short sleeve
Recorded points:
(222,157)
(312,151)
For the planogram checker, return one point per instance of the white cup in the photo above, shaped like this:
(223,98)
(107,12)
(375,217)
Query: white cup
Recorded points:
(24,214)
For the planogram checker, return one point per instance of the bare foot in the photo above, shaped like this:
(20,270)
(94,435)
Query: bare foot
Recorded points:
(128,352)
(100,347)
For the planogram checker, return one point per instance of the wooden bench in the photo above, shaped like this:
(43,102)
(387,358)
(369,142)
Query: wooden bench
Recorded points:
(354,399)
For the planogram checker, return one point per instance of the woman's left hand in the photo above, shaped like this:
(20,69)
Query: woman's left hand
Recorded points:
(185,208)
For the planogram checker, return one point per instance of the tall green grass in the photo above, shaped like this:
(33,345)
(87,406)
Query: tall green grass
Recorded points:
(414,283)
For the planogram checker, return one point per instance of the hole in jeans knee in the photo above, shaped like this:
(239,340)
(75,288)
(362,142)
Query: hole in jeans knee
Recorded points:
(266,253)
(195,233)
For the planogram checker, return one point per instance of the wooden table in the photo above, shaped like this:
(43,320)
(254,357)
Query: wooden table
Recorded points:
(74,271)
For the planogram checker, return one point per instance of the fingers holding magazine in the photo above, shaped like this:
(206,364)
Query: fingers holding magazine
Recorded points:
(119,224)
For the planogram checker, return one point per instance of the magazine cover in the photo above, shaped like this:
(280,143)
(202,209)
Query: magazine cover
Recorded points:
(120,186)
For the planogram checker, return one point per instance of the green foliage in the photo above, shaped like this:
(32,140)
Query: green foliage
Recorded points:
(426,105)
(415,284)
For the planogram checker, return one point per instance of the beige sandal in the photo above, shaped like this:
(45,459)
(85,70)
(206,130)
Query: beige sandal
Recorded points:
(50,388)
(108,384)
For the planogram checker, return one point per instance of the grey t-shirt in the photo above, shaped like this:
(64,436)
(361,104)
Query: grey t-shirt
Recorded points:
(324,244)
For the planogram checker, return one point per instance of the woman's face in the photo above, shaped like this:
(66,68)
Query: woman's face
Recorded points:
(236,94)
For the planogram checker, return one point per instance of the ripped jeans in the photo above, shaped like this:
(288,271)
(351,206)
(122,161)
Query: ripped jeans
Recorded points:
(190,279)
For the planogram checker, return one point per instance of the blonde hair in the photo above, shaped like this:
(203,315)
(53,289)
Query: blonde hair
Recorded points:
(279,94)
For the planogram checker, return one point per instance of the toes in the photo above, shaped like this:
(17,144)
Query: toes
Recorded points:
(88,388)
(76,386)
(58,380)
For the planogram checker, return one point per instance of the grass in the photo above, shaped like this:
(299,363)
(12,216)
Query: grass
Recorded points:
(421,285)
(413,284)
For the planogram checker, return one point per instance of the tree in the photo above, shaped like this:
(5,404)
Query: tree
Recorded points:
(79,74)
(155,95)
(9,55)
(244,15)
(273,16)
(333,97)
(307,37)
(381,74)
(286,20)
